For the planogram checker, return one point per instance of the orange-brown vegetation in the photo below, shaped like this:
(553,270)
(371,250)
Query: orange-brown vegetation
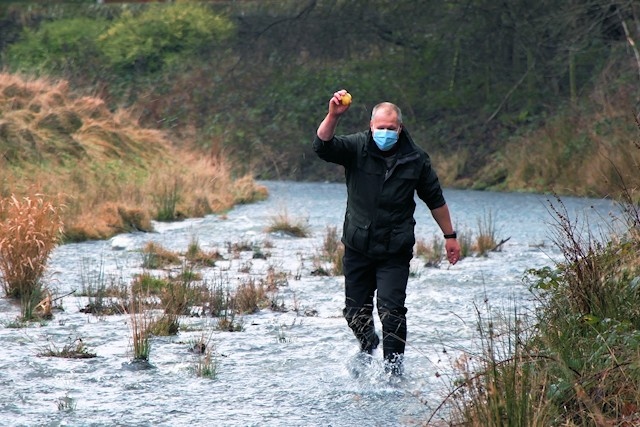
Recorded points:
(111,174)
(580,152)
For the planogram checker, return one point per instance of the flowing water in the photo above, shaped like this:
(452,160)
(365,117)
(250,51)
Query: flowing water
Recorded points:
(284,368)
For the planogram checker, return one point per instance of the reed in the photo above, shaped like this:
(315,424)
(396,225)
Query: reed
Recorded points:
(274,279)
(67,404)
(139,321)
(206,365)
(146,283)
(106,293)
(217,300)
(30,228)
(229,323)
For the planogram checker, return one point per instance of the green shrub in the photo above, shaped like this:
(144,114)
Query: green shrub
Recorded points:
(59,46)
(161,35)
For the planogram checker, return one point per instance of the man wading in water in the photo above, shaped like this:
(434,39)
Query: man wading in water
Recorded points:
(384,168)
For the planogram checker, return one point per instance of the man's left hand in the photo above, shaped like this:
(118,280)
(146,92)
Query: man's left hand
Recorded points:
(453,250)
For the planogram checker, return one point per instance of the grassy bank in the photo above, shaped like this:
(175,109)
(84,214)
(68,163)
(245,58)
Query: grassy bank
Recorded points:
(574,360)
(110,174)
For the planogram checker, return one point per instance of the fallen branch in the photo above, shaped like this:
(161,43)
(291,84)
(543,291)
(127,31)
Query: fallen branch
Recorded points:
(508,95)
(65,295)
(502,242)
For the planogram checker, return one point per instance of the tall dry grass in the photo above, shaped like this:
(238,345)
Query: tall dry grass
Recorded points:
(331,252)
(583,151)
(30,228)
(113,175)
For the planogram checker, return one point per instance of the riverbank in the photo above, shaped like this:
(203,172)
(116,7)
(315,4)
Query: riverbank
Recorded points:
(109,174)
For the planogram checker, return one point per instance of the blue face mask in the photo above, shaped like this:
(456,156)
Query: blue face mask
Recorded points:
(385,138)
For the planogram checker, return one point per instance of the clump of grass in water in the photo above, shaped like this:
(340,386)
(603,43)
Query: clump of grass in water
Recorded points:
(73,350)
(283,223)
(330,253)
(431,254)
(206,365)
(30,228)
(105,294)
(181,293)
(155,256)
(165,325)
(67,404)
(465,239)
(486,238)
(139,321)
(196,256)
(217,297)
(149,284)
(220,303)
(274,279)
(250,296)
(229,323)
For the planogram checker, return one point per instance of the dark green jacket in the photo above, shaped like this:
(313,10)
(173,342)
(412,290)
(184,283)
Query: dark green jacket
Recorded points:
(380,204)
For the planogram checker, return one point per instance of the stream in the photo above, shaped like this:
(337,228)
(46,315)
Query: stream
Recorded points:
(285,368)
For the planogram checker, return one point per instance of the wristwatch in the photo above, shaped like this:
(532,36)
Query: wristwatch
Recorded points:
(453,235)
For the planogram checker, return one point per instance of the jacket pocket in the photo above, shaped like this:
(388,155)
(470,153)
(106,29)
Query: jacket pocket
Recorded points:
(403,237)
(356,232)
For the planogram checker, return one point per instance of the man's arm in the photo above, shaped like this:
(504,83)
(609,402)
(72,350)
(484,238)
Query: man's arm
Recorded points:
(443,218)
(327,127)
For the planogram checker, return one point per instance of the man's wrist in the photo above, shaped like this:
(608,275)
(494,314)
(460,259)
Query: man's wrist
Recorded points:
(452,235)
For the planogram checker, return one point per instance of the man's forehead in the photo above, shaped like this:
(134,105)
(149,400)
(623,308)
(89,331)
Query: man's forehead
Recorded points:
(385,114)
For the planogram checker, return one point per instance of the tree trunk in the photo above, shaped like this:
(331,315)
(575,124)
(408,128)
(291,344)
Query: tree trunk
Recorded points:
(572,77)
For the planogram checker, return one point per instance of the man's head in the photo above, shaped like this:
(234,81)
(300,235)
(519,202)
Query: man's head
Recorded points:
(386,124)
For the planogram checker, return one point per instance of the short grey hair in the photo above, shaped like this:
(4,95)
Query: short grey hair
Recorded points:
(387,106)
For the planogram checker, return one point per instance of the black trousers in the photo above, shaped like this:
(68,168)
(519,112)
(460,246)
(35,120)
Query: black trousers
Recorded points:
(364,276)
